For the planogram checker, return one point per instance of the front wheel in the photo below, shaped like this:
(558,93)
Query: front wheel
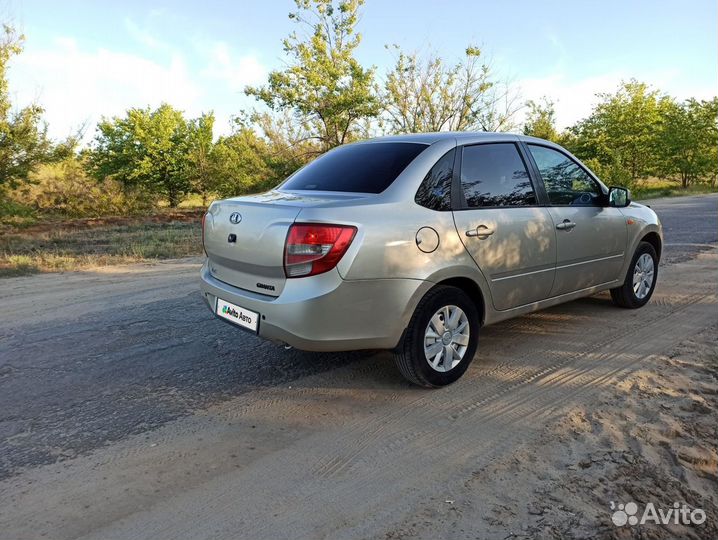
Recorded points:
(640,281)
(441,338)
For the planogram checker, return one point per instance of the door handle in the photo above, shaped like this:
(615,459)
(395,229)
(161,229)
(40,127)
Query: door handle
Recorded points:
(482,231)
(566,225)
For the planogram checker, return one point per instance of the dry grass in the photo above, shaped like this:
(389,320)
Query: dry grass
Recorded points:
(652,188)
(50,245)
(57,247)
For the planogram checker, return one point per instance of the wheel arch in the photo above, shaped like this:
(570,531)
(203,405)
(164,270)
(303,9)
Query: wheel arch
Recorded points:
(655,240)
(472,290)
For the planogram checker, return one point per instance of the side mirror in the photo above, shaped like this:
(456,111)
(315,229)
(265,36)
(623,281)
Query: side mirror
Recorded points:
(619,197)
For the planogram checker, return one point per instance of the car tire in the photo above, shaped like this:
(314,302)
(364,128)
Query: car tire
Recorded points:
(437,307)
(633,295)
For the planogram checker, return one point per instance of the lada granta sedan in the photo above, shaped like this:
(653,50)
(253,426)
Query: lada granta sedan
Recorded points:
(414,243)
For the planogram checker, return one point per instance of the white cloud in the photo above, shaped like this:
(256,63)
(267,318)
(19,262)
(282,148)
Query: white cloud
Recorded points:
(574,99)
(236,72)
(78,86)
(144,36)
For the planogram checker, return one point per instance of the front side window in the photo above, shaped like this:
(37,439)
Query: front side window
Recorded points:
(435,190)
(566,182)
(360,168)
(495,175)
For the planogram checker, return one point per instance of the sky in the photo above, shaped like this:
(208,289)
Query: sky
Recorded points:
(88,59)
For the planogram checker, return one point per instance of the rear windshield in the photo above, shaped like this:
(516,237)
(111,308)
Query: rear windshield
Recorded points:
(363,168)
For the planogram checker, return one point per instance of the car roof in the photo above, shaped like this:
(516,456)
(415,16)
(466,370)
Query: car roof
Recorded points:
(461,137)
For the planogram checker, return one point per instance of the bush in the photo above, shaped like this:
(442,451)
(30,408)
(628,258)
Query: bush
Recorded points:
(13,213)
(63,189)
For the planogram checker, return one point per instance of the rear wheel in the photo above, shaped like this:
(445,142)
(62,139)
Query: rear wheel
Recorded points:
(441,339)
(640,281)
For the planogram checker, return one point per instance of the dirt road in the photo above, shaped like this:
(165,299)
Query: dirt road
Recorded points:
(126,411)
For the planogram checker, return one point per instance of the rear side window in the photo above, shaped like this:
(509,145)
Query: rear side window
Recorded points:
(435,190)
(495,175)
(362,168)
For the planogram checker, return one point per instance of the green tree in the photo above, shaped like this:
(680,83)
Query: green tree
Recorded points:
(241,164)
(23,136)
(248,162)
(200,156)
(623,130)
(689,140)
(541,120)
(289,143)
(324,86)
(146,148)
(427,94)
(710,115)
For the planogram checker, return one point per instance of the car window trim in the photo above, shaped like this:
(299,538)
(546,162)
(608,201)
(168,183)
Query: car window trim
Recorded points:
(458,201)
(542,195)
(574,160)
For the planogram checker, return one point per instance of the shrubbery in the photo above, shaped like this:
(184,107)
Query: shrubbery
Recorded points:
(64,189)
(324,97)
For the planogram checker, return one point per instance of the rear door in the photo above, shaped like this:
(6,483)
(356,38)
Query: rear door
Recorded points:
(509,235)
(591,237)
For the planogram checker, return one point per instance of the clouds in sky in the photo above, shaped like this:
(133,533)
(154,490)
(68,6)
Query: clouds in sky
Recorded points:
(77,82)
(575,98)
(572,100)
(77,85)
(235,72)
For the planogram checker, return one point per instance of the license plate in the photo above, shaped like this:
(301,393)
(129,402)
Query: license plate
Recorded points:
(238,315)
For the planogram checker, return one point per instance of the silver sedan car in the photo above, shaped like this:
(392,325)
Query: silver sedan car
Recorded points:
(413,243)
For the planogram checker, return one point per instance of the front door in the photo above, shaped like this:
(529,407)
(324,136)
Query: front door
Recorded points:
(590,237)
(510,237)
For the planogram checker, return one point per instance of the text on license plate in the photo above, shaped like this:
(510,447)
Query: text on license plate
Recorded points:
(237,315)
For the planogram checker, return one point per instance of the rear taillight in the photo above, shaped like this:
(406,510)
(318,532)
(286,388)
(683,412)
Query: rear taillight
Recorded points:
(313,248)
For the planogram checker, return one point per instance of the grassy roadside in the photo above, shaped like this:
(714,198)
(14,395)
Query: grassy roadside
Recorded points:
(58,246)
(665,189)
(78,244)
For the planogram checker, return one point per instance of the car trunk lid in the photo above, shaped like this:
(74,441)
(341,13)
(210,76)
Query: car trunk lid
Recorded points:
(244,237)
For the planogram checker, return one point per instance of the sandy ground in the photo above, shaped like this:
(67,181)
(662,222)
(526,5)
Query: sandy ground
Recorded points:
(561,413)
(649,437)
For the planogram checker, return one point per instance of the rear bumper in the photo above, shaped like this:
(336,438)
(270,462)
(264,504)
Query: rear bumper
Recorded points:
(327,313)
